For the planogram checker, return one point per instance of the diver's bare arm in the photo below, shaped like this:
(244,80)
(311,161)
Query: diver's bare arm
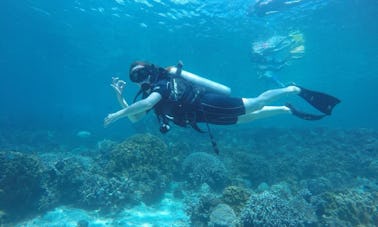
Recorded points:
(118,86)
(136,108)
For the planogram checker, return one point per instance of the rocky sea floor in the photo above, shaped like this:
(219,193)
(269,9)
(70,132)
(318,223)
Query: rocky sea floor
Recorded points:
(262,177)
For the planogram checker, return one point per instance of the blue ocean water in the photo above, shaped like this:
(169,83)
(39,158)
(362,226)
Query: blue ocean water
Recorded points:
(57,58)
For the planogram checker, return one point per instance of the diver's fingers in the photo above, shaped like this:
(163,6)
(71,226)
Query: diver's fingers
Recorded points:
(117,89)
(121,83)
(115,80)
(108,120)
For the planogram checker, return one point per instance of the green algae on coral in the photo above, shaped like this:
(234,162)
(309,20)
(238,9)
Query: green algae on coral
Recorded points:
(236,197)
(350,208)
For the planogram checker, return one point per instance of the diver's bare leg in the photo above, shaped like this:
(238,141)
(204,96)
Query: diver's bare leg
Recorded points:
(266,111)
(253,104)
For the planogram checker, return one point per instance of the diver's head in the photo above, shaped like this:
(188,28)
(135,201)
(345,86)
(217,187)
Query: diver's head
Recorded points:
(142,73)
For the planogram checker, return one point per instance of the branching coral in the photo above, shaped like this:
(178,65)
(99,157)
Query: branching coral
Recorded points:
(268,209)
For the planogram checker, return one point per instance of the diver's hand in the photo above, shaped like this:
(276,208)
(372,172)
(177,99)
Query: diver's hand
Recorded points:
(118,85)
(111,118)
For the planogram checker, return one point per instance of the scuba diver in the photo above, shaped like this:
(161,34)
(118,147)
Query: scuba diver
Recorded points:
(186,99)
(273,54)
(276,52)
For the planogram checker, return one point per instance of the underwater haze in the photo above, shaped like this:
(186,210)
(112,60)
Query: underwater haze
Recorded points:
(57,60)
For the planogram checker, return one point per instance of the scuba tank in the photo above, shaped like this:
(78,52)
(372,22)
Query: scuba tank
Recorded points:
(200,81)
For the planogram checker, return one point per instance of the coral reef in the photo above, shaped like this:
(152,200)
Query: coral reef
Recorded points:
(350,208)
(200,167)
(199,208)
(269,209)
(302,154)
(89,188)
(138,169)
(68,174)
(144,160)
(318,185)
(236,197)
(103,193)
(250,165)
(179,150)
(21,184)
(330,176)
(223,216)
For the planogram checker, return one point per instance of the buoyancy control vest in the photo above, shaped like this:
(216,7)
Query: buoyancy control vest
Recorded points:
(181,107)
(181,103)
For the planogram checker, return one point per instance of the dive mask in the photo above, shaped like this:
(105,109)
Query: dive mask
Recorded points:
(139,73)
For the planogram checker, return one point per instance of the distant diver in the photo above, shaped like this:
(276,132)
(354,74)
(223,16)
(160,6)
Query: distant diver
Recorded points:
(273,54)
(187,99)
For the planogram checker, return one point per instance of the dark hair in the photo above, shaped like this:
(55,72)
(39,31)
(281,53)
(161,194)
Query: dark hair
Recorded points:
(140,74)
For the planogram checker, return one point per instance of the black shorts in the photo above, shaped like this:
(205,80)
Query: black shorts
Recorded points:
(219,109)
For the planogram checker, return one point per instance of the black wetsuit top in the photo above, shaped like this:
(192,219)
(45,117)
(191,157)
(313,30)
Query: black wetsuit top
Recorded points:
(196,105)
